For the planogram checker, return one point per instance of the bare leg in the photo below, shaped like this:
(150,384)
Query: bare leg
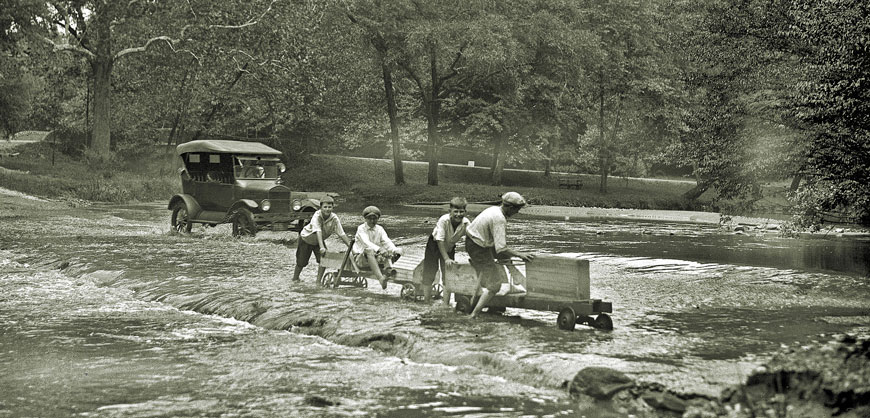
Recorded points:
(376,270)
(320,271)
(445,296)
(296,271)
(485,296)
(427,293)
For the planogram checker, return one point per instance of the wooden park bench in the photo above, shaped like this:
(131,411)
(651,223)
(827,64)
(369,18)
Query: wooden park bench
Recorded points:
(570,182)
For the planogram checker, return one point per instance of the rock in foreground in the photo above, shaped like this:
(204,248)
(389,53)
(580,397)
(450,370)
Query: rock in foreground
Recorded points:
(824,379)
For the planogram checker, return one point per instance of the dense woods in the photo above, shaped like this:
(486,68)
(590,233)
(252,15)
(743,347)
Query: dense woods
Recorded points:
(734,93)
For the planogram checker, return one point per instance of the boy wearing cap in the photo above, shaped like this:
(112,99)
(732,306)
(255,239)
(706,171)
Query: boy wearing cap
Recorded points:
(486,242)
(441,246)
(311,240)
(372,246)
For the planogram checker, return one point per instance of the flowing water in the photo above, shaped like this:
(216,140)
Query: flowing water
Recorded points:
(105,313)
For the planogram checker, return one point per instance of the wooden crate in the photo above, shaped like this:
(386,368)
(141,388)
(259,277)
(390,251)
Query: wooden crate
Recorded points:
(558,277)
(409,268)
(461,278)
(332,260)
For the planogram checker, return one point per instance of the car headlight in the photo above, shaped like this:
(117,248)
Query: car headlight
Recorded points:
(297,205)
(266,204)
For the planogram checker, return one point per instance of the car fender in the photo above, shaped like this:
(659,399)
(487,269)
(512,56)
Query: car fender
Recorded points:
(310,203)
(246,203)
(193,208)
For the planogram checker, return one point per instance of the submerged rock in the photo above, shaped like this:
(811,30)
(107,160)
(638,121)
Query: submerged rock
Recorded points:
(599,382)
(824,379)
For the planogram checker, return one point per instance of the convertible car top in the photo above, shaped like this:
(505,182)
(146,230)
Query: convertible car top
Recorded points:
(226,146)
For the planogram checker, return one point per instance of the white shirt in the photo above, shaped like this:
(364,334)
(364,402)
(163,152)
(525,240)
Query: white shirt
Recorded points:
(326,227)
(445,232)
(373,238)
(488,229)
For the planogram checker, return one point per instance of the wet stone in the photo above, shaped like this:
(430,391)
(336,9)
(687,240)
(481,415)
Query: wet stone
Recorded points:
(664,400)
(599,382)
(320,401)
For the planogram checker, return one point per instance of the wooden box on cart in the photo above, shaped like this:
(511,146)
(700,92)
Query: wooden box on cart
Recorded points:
(552,283)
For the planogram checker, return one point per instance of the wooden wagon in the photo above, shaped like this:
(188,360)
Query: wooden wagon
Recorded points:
(551,283)
(407,271)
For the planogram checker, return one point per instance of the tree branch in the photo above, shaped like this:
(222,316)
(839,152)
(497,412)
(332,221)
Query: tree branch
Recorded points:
(414,77)
(144,48)
(67,47)
(453,70)
(252,21)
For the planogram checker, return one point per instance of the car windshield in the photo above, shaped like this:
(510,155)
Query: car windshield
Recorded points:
(256,168)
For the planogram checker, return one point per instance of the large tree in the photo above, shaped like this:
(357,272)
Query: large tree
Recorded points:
(104,32)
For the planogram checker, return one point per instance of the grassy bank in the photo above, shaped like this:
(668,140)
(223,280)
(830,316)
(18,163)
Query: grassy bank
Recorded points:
(152,177)
(371,181)
(39,171)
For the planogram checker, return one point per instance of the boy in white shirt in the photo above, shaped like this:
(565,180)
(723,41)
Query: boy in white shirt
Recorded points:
(486,242)
(441,246)
(372,246)
(311,239)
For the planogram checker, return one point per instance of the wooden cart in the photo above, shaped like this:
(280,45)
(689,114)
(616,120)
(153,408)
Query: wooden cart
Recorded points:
(407,271)
(552,283)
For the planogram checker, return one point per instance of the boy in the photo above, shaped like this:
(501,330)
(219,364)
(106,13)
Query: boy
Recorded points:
(311,240)
(441,246)
(486,242)
(372,246)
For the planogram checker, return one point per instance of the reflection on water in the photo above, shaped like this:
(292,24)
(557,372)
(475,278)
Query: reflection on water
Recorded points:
(197,325)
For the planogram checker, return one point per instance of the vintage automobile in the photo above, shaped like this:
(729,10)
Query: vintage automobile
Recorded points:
(239,182)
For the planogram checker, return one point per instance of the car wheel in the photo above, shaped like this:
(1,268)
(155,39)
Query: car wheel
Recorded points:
(243,223)
(181,218)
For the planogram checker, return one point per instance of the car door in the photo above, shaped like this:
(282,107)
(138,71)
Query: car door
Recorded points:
(217,189)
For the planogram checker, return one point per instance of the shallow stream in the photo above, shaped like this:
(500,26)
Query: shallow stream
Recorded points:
(141,322)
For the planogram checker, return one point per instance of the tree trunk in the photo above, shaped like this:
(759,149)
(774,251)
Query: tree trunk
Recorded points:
(549,162)
(498,160)
(604,169)
(603,161)
(101,134)
(796,182)
(181,110)
(394,124)
(696,191)
(101,69)
(433,109)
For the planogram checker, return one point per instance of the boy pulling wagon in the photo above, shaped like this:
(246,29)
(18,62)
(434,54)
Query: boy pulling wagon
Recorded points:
(311,240)
(441,246)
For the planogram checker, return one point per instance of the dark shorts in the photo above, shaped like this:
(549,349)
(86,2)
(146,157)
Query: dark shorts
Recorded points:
(432,260)
(483,260)
(304,251)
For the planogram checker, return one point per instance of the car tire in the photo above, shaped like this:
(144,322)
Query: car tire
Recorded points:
(243,223)
(180,220)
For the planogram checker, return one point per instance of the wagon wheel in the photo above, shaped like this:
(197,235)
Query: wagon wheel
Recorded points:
(336,280)
(437,291)
(603,322)
(409,292)
(463,304)
(325,279)
(243,223)
(181,218)
(567,319)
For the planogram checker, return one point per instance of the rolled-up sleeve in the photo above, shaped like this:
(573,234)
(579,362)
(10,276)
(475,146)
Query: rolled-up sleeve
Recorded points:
(440,231)
(498,235)
(385,240)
